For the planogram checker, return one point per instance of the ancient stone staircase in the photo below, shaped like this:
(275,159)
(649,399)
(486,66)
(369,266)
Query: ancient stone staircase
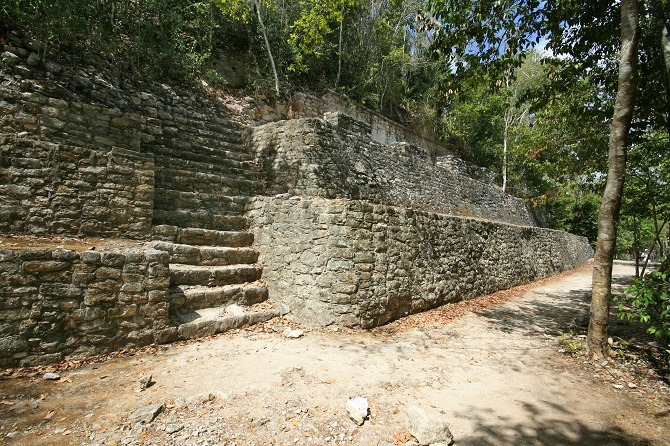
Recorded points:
(203,182)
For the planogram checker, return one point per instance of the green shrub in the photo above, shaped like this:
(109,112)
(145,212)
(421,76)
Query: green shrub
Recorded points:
(648,300)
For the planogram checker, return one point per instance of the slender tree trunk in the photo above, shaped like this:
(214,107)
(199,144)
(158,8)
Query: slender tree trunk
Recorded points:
(608,218)
(267,45)
(504,163)
(658,8)
(636,245)
(339,51)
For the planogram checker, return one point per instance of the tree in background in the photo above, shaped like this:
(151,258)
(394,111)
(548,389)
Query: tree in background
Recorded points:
(646,208)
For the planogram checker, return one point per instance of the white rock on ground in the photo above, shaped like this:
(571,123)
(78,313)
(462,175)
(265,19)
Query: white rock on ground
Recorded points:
(358,409)
(428,429)
(293,334)
(144,382)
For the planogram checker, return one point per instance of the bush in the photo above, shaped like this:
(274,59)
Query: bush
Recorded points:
(648,300)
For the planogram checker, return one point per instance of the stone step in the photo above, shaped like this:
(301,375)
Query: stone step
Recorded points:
(210,321)
(227,168)
(171,157)
(209,183)
(242,183)
(199,236)
(193,128)
(219,127)
(206,255)
(182,274)
(214,203)
(191,151)
(197,297)
(212,140)
(191,218)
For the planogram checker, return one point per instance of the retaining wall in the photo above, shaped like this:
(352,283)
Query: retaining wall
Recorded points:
(62,303)
(336,158)
(82,155)
(382,129)
(358,264)
(49,188)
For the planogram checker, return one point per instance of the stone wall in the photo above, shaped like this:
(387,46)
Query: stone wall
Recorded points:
(60,303)
(51,188)
(82,154)
(358,264)
(336,158)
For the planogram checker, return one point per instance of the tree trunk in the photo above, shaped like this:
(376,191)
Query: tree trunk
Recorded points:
(608,217)
(267,45)
(339,51)
(636,245)
(504,161)
(664,41)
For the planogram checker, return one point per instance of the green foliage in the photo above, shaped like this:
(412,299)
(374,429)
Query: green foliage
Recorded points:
(489,37)
(574,344)
(159,39)
(647,300)
(311,33)
(574,211)
(645,213)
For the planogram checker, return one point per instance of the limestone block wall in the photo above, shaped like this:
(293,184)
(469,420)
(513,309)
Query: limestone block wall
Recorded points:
(358,264)
(61,303)
(338,159)
(81,154)
(56,188)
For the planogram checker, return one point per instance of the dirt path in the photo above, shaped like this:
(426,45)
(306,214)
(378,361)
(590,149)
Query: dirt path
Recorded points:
(496,378)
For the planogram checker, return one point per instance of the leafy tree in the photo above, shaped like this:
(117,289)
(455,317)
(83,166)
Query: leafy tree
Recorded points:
(646,206)
(310,31)
(648,300)
(243,10)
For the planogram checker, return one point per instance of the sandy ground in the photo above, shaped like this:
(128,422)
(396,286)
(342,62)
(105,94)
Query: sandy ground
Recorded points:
(496,378)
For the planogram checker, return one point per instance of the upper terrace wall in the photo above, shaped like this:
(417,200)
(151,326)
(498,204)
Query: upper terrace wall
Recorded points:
(336,158)
(382,129)
(82,156)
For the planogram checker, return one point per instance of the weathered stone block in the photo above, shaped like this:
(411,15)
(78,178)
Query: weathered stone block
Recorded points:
(124,311)
(44,266)
(88,314)
(104,273)
(94,296)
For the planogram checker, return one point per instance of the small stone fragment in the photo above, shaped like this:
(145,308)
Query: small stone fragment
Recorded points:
(617,386)
(632,386)
(293,334)
(428,429)
(51,376)
(9,56)
(173,428)
(33,60)
(145,382)
(146,414)
(358,410)
(52,67)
